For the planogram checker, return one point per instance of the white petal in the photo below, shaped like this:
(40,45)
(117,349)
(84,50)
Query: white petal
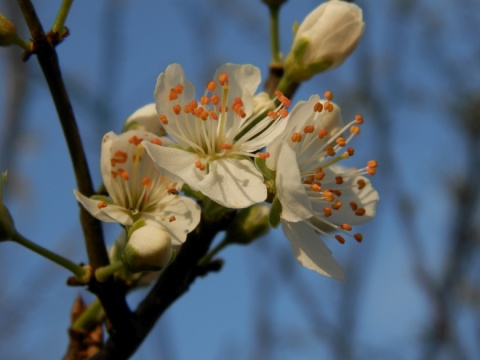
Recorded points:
(187,216)
(110,213)
(105,160)
(290,190)
(234,183)
(145,118)
(176,164)
(310,251)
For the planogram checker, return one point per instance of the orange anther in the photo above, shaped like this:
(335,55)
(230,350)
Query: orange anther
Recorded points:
(146,182)
(318,107)
(319,175)
(273,114)
(347,227)
(372,164)
(340,141)
(223,79)
(173,95)
(226,147)
(338,180)
(355,130)
(179,88)
(264,156)
(359,119)
(204,100)
(171,218)
(101,204)
(322,133)
(328,95)
(329,150)
(119,157)
(350,151)
(198,164)
(309,129)
(337,205)
(156,141)
(336,192)
(135,140)
(215,99)
(283,112)
(309,180)
(171,190)
(360,212)
(211,86)
(316,187)
(340,239)
(328,195)
(296,137)
(176,109)
(358,237)
(125,175)
(213,115)
(361,183)
(353,205)
(371,171)
(163,119)
(327,212)
(328,106)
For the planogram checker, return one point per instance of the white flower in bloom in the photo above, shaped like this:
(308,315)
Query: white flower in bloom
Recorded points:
(316,195)
(217,135)
(324,39)
(137,190)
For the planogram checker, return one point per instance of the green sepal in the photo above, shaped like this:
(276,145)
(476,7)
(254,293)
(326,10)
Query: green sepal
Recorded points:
(275,211)
(266,172)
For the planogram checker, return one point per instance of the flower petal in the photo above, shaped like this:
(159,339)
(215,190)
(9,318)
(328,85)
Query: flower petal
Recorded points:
(176,164)
(109,213)
(234,183)
(310,251)
(291,192)
(145,118)
(180,217)
(105,160)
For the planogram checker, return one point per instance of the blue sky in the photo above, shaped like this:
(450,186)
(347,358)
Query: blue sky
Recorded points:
(220,315)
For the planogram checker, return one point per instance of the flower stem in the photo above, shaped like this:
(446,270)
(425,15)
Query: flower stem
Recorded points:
(59,25)
(77,270)
(274,38)
(103,273)
(206,259)
(88,317)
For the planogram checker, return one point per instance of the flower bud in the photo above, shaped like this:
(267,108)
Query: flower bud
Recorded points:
(8,33)
(250,224)
(148,249)
(324,39)
(145,118)
(7,229)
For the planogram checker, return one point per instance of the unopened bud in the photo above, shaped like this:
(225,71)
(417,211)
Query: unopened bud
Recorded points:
(8,33)
(249,224)
(324,39)
(147,119)
(148,249)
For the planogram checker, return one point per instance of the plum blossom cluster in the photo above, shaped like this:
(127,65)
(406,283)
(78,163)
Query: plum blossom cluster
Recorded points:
(237,149)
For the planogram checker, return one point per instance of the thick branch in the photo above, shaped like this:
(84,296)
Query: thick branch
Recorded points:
(174,282)
(47,57)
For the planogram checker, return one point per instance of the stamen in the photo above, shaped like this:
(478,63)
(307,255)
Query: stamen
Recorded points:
(177,109)
(172,191)
(226,147)
(337,205)
(171,218)
(359,119)
(355,130)
(327,212)
(283,112)
(340,141)
(163,119)
(316,187)
(361,183)
(339,180)
(135,140)
(264,156)
(328,95)
(340,239)
(322,133)
(156,141)
(309,129)
(353,205)
(179,88)
(296,137)
(318,107)
(223,79)
(146,182)
(360,212)
(347,227)
(211,86)
(358,237)
(102,204)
